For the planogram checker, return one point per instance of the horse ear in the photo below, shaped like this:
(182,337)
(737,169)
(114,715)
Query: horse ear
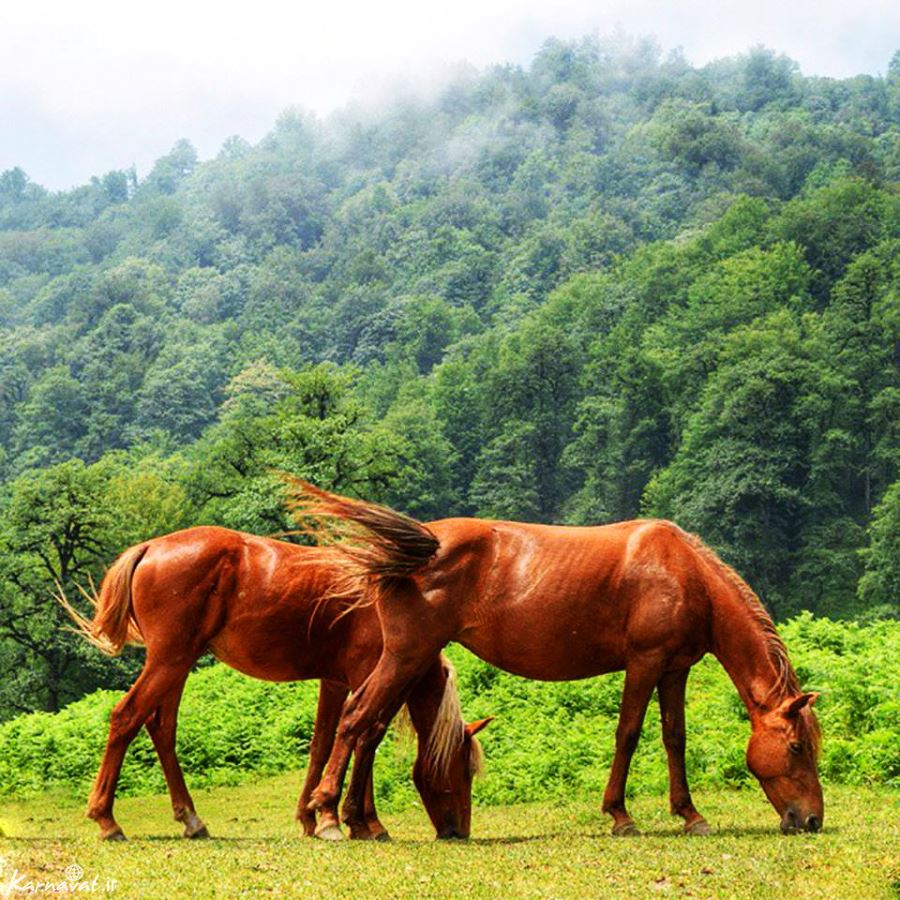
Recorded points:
(792,707)
(472,728)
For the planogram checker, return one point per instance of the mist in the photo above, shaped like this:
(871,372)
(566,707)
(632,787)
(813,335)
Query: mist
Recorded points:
(85,89)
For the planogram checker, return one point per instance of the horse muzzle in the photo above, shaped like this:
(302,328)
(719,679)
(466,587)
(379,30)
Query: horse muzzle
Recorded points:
(792,823)
(452,834)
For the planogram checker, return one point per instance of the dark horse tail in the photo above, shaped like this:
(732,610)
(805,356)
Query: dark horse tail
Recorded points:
(113,624)
(366,539)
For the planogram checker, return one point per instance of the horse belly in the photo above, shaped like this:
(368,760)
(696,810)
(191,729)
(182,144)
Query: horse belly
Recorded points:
(268,649)
(545,645)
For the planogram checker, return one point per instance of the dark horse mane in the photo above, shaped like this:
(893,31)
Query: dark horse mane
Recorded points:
(786,682)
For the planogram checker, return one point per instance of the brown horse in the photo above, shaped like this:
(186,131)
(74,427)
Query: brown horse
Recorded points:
(558,603)
(257,605)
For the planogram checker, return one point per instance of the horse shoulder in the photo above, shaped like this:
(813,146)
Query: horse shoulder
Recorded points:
(664,580)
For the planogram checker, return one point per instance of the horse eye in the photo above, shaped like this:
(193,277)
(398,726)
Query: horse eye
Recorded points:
(795,747)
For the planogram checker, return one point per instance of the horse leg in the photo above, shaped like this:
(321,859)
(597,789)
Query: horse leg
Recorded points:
(414,633)
(328,714)
(355,805)
(670,691)
(365,719)
(640,679)
(157,678)
(376,829)
(161,726)
(362,819)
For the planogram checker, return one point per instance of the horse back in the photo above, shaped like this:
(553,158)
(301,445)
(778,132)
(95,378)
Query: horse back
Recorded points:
(256,603)
(551,601)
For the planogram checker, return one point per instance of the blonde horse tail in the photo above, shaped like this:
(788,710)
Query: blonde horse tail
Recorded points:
(113,624)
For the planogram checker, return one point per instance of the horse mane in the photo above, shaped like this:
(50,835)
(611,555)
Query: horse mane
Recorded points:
(448,732)
(786,682)
(785,678)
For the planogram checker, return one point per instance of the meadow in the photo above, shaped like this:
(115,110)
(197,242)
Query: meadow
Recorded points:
(524,850)
(537,829)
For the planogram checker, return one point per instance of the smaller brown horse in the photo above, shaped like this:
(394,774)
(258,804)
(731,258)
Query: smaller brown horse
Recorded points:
(560,603)
(257,604)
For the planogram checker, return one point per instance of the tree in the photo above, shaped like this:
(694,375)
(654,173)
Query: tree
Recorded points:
(741,473)
(13,183)
(52,420)
(534,387)
(423,486)
(834,224)
(306,423)
(879,588)
(62,526)
(505,485)
(172,169)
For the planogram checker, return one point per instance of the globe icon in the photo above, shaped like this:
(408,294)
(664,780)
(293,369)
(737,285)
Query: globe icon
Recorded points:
(74,872)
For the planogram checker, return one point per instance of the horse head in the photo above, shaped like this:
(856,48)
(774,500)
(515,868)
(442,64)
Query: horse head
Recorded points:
(446,790)
(782,754)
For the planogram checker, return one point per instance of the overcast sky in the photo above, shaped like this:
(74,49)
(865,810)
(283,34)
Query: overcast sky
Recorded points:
(95,85)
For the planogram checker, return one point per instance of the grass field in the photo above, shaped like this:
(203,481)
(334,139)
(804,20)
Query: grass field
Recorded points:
(517,851)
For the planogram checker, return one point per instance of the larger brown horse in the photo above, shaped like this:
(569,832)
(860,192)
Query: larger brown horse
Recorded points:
(257,604)
(555,603)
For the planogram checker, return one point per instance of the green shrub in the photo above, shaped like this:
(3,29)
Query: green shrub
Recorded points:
(550,740)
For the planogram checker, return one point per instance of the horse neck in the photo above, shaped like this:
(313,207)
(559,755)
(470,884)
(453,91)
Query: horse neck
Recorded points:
(743,647)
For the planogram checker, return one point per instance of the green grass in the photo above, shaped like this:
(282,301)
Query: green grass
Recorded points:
(528,850)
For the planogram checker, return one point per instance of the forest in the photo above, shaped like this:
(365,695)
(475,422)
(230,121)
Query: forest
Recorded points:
(606,285)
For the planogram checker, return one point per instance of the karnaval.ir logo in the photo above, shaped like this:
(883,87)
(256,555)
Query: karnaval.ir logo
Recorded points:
(13,882)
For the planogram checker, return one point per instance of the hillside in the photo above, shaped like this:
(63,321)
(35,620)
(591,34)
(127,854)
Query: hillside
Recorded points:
(607,285)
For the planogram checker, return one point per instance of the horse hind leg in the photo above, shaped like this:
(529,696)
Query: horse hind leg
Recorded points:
(640,679)
(129,714)
(359,805)
(161,725)
(671,690)
(365,716)
(377,831)
(328,714)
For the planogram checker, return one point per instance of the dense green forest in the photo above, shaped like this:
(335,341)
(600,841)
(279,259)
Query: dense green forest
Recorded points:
(606,285)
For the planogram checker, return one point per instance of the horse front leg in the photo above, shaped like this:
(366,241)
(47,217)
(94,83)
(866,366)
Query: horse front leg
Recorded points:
(671,690)
(162,725)
(328,714)
(640,679)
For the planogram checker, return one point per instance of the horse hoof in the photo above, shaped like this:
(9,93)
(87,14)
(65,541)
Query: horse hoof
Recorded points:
(364,834)
(198,834)
(698,827)
(330,833)
(626,829)
(114,834)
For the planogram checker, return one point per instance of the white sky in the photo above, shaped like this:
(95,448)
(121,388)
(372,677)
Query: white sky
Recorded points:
(92,85)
